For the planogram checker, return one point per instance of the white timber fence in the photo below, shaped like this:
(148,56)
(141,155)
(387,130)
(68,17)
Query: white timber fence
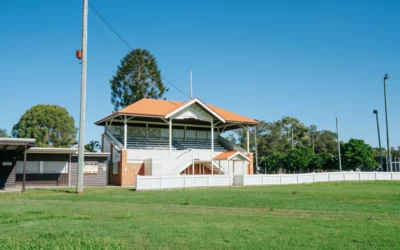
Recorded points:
(181,181)
(189,181)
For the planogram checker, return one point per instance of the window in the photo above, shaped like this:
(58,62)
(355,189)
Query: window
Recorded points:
(32,167)
(42,167)
(55,167)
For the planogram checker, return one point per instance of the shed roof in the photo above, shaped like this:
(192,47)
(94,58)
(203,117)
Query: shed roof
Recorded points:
(16,144)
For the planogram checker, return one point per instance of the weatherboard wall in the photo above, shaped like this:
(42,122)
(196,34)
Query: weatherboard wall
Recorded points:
(91,179)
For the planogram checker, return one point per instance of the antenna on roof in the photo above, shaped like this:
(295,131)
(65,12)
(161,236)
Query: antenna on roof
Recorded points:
(191,85)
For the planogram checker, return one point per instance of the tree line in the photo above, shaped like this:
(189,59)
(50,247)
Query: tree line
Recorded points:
(288,145)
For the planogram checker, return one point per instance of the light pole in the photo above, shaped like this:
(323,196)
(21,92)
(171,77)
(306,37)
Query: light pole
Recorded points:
(338,145)
(255,145)
(379,139)
(387,123)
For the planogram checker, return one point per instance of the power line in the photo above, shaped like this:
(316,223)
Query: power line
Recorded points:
(104,20)
(175,86)
(127,44)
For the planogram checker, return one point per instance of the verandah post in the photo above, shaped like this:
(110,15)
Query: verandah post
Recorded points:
(125,132)
(248,139)
(212,146)
(170,137)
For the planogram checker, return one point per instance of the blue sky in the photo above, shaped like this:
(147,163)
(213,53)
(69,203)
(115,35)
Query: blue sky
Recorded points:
(262,59)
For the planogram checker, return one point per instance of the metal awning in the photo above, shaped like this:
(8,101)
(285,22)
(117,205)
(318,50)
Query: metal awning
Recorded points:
(16,144)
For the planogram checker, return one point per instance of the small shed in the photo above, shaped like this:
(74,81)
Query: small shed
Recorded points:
(48,166)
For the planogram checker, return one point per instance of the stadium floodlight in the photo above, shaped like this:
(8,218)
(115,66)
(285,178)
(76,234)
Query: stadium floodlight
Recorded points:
(386,77)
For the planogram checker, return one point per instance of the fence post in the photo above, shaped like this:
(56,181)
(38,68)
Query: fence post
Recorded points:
(375,175)
(161,180)
(359,176)
(208,180)
(344,176)
(262,180)
(184,180)
(243,180)
(297,178)
(329,176)
(313,177)
(137,182)
(280,178)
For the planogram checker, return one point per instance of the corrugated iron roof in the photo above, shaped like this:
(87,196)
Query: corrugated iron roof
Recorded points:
(230,154)
(161,108)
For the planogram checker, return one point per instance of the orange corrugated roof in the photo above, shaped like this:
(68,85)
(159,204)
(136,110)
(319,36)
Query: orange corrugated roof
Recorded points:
(226,155)
(151,107)
(230,116)
(161,108)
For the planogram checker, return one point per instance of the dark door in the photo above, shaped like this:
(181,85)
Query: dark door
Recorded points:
(7,164)
(5,172)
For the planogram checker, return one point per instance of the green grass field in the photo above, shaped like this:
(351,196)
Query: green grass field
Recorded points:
(348,215)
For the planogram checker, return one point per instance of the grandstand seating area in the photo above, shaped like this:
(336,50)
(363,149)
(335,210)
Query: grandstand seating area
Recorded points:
(163,143)
(136,143)
(197,144)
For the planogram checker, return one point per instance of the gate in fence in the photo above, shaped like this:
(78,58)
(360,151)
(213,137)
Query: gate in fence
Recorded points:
(237,180)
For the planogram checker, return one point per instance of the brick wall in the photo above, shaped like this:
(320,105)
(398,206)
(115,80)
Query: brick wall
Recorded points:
(198,169)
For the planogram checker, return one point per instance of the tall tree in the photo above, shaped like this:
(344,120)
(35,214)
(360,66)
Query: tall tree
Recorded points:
(50,125)
(357,154)
(92,146)
(137,77)
(3,133)
(299,159)
(277,136)
(325,142)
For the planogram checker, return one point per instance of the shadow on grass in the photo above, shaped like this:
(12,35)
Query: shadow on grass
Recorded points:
(56,190)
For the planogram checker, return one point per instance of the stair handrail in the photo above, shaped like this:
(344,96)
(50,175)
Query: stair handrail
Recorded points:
(114,140)
(174,163)
(229,145)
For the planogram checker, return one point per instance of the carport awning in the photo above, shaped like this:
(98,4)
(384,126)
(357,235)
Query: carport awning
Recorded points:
(15,144)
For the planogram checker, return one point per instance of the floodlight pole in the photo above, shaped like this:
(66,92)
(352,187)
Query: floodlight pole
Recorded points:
(256,146)
(79,184)
(379,139)
(387,125)
(338,145)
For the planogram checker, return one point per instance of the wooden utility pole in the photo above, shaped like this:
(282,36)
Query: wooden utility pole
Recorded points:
(81,152)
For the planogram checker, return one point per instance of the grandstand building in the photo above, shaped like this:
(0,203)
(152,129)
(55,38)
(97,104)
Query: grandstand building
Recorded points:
(167,138)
